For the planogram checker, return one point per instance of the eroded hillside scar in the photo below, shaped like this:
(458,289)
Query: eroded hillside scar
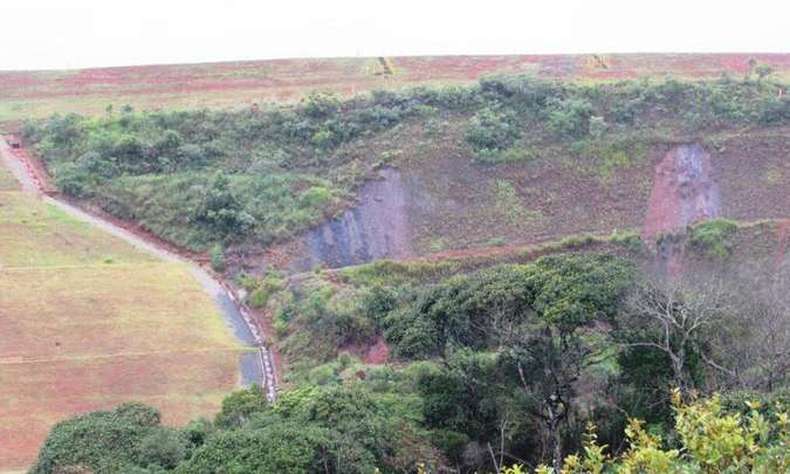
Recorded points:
(683,193)
(377,227)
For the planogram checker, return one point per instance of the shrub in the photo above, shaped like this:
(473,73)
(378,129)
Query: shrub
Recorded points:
(221,210)
(282,447)
(713,238)
(217,257)
(107,442)
(598,126)
(264,289)
(320,104)
(461,310)
(316,196)
(492,129)
(569,117)
(775,110)
(711,440)
(238,407)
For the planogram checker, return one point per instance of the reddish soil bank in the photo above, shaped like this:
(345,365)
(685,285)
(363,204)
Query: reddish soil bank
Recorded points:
(683,193)
(378,353)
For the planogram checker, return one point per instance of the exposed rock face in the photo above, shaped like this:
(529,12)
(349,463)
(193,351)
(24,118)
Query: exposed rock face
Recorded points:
(683,193)
(377,227)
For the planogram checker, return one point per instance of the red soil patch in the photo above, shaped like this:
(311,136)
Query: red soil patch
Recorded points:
(683,192)
(783,237)
(378,353)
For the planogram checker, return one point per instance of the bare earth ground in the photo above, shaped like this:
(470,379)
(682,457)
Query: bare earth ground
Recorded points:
(29,94)
(89,321)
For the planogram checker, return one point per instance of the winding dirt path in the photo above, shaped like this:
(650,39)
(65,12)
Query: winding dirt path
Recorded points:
(260,367)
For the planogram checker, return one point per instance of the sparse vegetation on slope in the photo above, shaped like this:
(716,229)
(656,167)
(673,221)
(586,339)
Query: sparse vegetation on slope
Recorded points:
(200,178)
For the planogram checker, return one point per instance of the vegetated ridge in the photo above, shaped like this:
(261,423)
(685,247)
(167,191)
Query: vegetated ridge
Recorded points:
(460,278)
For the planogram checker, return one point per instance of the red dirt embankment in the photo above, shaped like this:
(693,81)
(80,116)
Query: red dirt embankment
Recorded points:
(683,193)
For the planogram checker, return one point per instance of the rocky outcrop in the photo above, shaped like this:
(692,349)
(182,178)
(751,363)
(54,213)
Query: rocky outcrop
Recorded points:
(684,193)
(377,227)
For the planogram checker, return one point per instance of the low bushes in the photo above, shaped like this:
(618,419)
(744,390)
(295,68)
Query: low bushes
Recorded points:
(283,169)
(713,238)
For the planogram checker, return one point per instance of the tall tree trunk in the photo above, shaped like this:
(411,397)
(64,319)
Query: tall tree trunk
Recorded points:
(557,442)
(555,435)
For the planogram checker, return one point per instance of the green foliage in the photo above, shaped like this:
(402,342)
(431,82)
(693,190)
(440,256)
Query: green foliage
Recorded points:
(713,238)
(261,290)
(217,256)
(221,211)
(112,441)
(162,448)
(570,117)
(237,407)
(463,401)
(508,350)
(461,310)
(287,447)
(775,110)
(347,429)
(320,105)
(492,130)
(287,167)
(315,320)
(711,441)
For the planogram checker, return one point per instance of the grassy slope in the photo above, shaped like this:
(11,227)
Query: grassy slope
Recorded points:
(89,322)
(555,183)
(38,94)
(7,181)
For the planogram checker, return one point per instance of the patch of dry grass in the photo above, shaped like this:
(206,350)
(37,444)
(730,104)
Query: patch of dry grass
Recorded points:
(88,322)
(7,181)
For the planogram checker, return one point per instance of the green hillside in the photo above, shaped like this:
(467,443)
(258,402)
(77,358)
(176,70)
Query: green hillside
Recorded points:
(517,271)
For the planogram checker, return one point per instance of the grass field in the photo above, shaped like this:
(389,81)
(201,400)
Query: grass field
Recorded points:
(33,94)
(7,182)
(88,322)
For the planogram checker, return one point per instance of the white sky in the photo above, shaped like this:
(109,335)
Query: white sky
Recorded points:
(45,34)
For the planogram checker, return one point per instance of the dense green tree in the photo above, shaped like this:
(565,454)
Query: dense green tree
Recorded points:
(282,447)
(239,406)
(111,441)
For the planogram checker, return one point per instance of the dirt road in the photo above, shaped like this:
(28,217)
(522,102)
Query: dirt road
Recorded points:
(258,367)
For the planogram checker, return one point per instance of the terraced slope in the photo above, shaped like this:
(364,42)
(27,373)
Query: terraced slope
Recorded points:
(88,321)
